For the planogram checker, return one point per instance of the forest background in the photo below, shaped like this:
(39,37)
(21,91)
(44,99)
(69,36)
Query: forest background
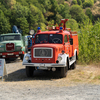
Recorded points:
(83,17)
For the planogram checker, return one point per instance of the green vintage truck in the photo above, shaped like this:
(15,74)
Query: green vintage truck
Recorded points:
(12,45)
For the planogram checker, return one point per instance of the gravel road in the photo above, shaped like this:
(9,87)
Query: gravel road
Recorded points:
(44,86)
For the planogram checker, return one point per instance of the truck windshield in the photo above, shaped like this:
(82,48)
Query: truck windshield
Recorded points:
(48,38)
(10,37)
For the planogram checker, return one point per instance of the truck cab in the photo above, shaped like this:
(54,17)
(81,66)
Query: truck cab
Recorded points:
(12,45)
(55,50)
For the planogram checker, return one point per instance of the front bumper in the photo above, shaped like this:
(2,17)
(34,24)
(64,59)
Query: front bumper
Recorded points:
(11,54)
(45,65)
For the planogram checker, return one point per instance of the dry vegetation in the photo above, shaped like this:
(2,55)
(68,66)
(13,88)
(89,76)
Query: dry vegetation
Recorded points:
(83,74)
(96,8)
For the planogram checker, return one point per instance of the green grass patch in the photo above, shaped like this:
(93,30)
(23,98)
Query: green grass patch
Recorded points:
(97,77)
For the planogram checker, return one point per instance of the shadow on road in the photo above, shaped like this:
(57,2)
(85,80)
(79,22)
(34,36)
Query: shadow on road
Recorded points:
(12,60)
(20,75)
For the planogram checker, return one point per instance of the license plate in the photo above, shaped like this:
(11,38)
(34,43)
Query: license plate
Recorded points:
(41,67)
(10,54)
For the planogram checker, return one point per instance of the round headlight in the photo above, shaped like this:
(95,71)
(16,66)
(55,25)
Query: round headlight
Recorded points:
(27,57)
(59,58)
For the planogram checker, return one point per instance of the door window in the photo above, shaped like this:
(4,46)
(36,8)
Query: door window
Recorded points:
(65,38)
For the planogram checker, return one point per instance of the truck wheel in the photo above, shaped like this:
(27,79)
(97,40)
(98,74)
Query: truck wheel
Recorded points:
(76,58)
(63,71)
(22,56)
(29,71)
(73,66)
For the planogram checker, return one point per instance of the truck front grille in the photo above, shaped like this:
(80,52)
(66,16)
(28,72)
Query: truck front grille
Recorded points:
(10,47)
(43,52)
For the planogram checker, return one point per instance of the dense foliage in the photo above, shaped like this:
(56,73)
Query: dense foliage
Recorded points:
(89,42)
(30,14)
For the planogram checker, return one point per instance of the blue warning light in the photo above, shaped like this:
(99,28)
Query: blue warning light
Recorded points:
(38,28)
(61,28)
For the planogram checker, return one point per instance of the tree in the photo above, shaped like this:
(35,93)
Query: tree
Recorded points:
(74,2)
(54,9)
(95,1)
(19,11)
(79,2)
(60,1)
(23,2)
(35,3)
(58,18)
(88,3)
(46,6)
(64,11)
(89,13)
(7,12)
(77,13)
(23,25)
(83,1)
(11,3)
(72,23)
(35,17)
(4,23)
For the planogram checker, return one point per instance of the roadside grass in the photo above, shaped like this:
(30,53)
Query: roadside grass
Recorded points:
(85,74)
(97,77)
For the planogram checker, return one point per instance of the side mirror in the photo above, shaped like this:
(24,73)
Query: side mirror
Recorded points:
(71,41)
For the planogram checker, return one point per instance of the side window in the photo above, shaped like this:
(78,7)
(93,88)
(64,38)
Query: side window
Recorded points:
(65,38)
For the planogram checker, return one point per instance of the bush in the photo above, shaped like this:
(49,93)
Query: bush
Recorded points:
(89,13)
(79,2)
(77,13)
(88,3)
(71,23)
(74,2)
(83,1)
(89,42)
(95,1)
(4,24)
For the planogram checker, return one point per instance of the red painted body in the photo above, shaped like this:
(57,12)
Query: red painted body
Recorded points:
(12,54)
(10,46)
(57,47)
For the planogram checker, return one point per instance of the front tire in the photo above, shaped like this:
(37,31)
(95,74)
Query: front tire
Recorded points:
(29,71)
(22,56)
(73,66)
(63,71)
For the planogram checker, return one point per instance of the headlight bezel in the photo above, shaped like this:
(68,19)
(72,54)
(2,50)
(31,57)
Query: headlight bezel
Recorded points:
(27,58)
(59,58)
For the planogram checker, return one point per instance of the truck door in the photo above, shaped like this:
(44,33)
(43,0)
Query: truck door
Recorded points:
(66,44)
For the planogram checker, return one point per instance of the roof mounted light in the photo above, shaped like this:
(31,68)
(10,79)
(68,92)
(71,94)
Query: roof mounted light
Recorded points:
(38,29)
(61,29)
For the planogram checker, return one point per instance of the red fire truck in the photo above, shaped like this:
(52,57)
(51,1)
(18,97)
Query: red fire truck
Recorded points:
(53,50)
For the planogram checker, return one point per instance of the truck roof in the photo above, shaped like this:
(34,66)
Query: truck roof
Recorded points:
(11,34)
(54,32)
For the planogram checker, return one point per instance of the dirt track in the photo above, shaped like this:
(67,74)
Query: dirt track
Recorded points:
(80,84)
